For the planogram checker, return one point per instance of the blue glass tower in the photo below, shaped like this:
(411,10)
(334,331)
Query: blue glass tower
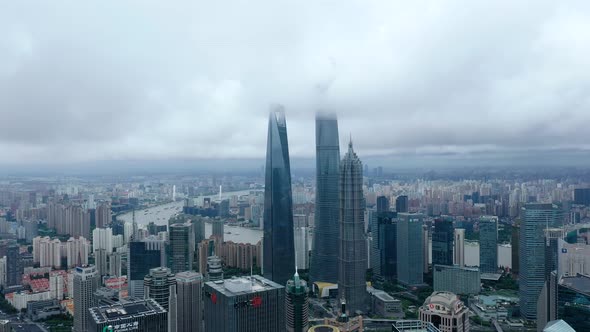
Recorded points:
(536,218)
(324,257)
(488,244)
(278,243)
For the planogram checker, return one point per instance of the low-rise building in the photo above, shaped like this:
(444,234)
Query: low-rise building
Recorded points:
(446,312)
(456,279)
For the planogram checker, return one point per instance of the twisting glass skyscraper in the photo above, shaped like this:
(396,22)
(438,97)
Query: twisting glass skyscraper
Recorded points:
(324,257)
(352,262)
(278,243)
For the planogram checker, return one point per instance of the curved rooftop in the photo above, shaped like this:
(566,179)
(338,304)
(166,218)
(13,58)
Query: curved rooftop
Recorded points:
(443,301)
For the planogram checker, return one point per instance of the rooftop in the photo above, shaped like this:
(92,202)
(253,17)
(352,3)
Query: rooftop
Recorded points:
(243,285)
(125,309)
(580,283)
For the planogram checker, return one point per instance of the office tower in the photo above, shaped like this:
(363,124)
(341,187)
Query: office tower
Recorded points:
(85,284)
(223,208)
(278,247)
(135,315)
(14,266)
(375,247)
(545,305)
(387,246)
(455,279)
(248,304)
(459,253)
(401,204)
(214,268)
(158,285)
(353,247)
(172,305)
(182,247)
(199,228)
(382,204)
(189,311)
(296,305)
(582,196)
(324,254)
(410,255)
(488,244)
(446,312)
(102,238)
(103,215)
(442,241)
(515,243)
(217,229)
(536,218)
(426,247)
(142,257)
(573,301)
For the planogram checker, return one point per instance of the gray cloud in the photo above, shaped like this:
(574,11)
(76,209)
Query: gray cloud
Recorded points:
(154,80)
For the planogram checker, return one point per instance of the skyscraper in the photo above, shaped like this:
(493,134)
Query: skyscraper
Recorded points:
(182,247)
(442,241)
(536,218)
(217,229)
(546,307)
(410,256)
(324,255)
(382,204)
(401,204)
(488,244)
(278,242)
(352,262)
(189,311)
(14,266)
(199,228)
(158,285)
(459,253)
(85,284)
(387,227)
(143,256)
(248,304)
(296,305)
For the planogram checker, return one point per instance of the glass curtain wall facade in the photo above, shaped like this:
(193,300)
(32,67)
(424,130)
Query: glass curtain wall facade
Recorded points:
(278,242)
(324,256)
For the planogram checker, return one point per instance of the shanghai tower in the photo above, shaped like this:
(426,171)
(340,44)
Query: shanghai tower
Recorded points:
(324,257)
(278,243)
(352,262)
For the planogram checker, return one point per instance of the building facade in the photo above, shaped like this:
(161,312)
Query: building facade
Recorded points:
(536,218)
(442,241)
(142,257)
(352,262)
(85,284)
(278,246)
(158,286)
(324,255)
(247,304)
(410,260)
(446,312)
(182,247)
(296,305)
(188,295)
(488,244)
(456,279)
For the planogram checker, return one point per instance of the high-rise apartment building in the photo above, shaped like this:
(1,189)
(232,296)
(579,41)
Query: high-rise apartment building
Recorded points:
(324,255)
(410,255)
(352,261)
(182,247)
(488,244)
(188,295)
(278,243)
(442,241)
(103,215)
(296,305)
(217,225)
(85,284)
(246,304)
(142,257)
(536,218)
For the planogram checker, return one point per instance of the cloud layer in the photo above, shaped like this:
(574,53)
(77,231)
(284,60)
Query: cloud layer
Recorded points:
(149,80)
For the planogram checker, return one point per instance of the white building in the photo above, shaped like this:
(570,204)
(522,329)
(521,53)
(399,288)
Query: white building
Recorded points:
(102,238)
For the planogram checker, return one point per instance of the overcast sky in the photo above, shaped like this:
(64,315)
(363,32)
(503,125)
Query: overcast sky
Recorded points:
(147,80)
